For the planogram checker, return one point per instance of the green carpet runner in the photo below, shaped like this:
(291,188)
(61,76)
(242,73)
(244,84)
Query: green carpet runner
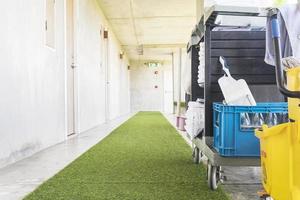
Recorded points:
(145,158)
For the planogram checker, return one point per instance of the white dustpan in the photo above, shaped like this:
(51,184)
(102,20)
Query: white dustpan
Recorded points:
(235,92)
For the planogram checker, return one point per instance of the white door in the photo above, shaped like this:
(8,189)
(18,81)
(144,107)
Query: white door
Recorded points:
(147,93)
(107,75)
(70,61)
(168,91)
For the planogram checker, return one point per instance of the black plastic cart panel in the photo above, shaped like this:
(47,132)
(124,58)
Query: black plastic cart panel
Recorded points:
(244,52)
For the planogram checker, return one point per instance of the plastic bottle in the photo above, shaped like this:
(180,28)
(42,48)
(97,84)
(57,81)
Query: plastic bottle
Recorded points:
(257,120)
(271,119)
(245,120)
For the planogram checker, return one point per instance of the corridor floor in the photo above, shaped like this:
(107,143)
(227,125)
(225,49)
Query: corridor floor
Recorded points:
(145,158)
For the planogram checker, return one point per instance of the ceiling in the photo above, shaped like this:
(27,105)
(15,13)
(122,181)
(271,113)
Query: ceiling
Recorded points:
(160,26)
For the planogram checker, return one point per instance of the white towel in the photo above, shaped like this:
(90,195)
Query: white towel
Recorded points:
(289,20)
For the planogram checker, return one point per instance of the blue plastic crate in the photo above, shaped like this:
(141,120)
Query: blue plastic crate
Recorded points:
(233,139)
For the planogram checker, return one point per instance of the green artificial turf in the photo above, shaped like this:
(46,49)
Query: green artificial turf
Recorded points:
(145,158)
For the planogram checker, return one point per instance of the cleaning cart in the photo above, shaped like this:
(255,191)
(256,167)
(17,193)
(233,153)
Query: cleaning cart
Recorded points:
(280,145)
(226,140)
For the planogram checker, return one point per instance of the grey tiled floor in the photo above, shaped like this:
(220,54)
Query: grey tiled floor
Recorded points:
(242,183)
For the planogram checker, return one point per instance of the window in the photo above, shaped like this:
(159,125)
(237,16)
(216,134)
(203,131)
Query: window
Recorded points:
(50,23)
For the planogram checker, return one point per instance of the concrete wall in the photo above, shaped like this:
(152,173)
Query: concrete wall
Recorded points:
(33,78)
(124,89)
(91,56)
(168,89)
(144,95)
(91,78)
(183,74)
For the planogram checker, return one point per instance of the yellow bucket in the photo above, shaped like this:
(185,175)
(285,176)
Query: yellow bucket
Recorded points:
(280,150)
(293,84)
(280,161)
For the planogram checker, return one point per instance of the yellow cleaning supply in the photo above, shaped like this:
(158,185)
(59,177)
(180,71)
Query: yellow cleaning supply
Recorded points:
(280,150)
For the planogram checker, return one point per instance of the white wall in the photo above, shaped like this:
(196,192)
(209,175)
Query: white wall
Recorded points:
(91,76)
(114,80)
(91,64)
(33,79)
(168,89)
(124,85)
(144,95)
(183,69)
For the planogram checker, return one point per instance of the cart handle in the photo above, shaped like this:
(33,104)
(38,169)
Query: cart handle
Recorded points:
(280,78)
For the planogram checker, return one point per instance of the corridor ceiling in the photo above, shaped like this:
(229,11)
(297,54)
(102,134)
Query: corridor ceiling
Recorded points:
(160,26)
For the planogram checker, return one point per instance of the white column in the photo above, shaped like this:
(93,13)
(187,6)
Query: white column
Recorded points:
(173,83)
(199,9)
(179,83)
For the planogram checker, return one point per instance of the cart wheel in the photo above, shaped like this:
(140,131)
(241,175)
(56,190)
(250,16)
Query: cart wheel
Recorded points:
(266,197)
(196,155)
(213,176)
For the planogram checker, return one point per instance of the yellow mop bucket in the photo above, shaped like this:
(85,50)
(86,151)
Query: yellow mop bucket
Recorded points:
(280,161)
(280,150)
